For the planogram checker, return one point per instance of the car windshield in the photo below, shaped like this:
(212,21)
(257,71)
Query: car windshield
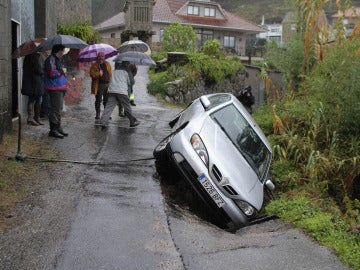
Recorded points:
(244,138)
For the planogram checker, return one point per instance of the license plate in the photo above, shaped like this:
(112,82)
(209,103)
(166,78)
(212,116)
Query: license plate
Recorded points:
(211,190)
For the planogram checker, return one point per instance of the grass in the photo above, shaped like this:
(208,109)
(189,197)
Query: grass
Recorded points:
(326,228)
(19,178)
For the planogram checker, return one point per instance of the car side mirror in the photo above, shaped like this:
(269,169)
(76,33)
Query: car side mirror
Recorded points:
(270,185)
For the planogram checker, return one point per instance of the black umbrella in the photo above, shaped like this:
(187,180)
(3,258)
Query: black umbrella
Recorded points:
(67,41)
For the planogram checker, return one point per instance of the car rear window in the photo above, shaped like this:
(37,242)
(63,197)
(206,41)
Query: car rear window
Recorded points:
(244,138)
(218,99)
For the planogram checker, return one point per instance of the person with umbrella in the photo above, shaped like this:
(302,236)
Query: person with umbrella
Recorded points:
(100,73)
(118,92)
(56,85)
(33,87)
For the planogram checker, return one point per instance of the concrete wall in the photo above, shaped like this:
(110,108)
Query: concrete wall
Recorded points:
(70,11)
(258,85)
(45,18)
(5,68)
(22,12)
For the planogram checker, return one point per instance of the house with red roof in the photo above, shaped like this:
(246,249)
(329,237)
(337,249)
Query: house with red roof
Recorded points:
(348,18)
(208,19)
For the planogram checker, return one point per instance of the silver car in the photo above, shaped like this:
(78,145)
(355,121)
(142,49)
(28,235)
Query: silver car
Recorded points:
(223,154)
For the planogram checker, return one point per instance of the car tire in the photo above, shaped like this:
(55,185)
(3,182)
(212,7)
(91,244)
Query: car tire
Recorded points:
(163,162)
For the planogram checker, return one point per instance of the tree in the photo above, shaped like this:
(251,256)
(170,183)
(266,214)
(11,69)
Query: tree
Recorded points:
(179,38)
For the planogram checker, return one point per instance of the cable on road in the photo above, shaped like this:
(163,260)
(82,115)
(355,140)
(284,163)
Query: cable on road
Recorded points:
(120,162)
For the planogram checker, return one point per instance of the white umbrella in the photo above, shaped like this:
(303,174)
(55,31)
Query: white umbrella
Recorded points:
(133,46)
(137,58)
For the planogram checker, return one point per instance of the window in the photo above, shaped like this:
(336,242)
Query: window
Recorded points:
(112,35)
(229,42)
(207,35)
(209,12)
(203,35)
(141,14)
(161,35)
(193,10)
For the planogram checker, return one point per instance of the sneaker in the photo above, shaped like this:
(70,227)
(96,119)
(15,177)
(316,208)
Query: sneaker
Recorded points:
(62,132)
(56,134)
(132,103)
(134,124)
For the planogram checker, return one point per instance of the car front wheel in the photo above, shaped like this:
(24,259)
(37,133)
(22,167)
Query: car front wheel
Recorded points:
(163,163)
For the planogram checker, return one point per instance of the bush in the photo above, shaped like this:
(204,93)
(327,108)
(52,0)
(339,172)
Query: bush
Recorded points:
(213,70)
(84,31)
(157,83)
(212,48)
(288,60)
(335,83)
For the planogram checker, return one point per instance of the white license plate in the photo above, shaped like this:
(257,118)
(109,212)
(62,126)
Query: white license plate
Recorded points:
(211,190)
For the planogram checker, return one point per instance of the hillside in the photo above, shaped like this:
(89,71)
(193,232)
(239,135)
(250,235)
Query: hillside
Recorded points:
(252,10)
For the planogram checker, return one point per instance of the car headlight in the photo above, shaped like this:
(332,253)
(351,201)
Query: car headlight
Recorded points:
(199,148)
(248,210)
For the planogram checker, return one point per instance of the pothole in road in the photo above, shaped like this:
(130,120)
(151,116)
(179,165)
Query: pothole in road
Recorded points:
(179,195)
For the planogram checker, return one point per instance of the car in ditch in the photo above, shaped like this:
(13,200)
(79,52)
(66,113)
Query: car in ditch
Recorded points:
(223,154)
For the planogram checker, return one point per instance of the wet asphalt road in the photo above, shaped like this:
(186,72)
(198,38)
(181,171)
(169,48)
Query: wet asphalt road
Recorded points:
(119,218)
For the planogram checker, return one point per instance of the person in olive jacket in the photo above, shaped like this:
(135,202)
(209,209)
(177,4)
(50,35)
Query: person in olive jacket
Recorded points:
(33,87)
(56,85)
(100,73)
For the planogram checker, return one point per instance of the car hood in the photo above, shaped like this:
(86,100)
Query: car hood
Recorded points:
(234,169)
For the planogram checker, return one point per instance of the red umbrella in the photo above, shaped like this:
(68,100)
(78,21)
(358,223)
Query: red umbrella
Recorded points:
(27,47)
(90,52)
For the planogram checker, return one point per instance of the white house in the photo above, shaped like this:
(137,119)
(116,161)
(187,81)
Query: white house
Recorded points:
(208,19)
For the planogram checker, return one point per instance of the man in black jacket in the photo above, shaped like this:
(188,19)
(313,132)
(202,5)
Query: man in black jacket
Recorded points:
(246,98)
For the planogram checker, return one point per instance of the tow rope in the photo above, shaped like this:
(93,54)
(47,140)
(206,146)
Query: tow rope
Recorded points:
(120,162)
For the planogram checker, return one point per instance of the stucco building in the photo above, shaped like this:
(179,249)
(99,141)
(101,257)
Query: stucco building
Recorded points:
(208,19)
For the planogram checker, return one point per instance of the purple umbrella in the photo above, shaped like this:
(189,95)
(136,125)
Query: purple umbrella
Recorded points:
(90,52)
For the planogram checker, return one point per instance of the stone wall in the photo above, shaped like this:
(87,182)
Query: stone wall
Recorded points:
(179,92)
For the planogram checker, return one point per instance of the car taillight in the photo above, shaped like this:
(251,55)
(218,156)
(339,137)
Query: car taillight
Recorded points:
(199,148)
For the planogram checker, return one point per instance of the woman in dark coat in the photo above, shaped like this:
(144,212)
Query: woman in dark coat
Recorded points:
(33,87)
